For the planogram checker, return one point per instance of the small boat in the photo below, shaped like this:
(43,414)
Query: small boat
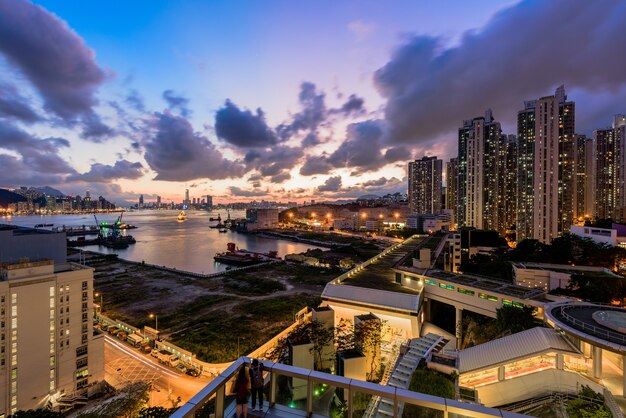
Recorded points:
(223,230)
(182,216)
(218,219)
(43,225)
(218,226)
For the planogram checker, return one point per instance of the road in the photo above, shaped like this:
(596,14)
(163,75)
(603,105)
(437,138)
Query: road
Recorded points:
(124,365)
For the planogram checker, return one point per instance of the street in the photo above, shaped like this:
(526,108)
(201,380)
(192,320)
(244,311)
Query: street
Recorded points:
(124,365)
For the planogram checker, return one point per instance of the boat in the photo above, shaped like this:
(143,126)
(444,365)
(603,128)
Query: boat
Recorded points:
(218,226)
(218,219)
(222,230)
(182,216)
(43,225)
(237,257)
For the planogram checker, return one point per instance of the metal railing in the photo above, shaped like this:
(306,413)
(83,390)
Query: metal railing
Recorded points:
(217,389)
(592,329)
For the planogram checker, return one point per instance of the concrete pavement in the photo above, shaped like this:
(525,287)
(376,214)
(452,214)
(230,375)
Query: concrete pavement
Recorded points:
(124,365)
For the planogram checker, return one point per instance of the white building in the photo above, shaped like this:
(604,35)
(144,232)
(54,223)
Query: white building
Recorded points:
(552,276)
(599,235)
(48,350)
(48,346)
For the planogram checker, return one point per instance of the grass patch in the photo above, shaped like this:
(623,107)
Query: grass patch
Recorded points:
(254,322)
(432,383)
(243,284)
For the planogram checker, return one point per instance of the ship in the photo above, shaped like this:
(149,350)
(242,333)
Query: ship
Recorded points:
(223,230)
(218,219)
(182,216)
(237,257)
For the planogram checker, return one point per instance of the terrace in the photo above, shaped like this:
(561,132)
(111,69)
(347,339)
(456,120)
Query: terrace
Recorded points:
(215,400)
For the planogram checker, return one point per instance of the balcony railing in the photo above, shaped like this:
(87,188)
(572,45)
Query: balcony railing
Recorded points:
(352,389)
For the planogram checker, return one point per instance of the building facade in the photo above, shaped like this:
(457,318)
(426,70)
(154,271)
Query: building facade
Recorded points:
(609,146)
(585,178)
(425,177)
(546,181)
(452,184)
(49,352)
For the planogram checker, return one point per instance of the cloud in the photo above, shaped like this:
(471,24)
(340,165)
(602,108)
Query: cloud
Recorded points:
(101,173)
(316,165)
(272,161)
(135,101)
(238,191)
(354,105)
(177,153)
(13,105)
(51,56)
(281,177)
(243,128)
(16,173)
(332,184)
(94,129)
(177,102)
(519,54)
(312,114)
(37,155)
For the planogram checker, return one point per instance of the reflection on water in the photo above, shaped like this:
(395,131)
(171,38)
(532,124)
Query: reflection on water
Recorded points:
(161,240)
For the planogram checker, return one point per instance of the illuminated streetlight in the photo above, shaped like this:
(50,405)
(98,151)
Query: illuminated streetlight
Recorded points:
(156,323)
(99,295)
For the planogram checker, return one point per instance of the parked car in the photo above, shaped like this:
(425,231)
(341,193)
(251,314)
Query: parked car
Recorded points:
(114,330)
(194,372)
(181,367)
(154,353)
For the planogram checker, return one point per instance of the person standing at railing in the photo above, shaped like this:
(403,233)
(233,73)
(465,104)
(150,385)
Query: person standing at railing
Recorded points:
(241,389)
(256,380)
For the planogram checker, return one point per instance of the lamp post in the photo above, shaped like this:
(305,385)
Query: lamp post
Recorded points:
(100,295)
(156,324)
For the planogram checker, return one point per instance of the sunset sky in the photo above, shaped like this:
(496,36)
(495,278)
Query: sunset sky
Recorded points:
(277,99)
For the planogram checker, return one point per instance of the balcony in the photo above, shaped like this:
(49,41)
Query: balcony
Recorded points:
(352,397)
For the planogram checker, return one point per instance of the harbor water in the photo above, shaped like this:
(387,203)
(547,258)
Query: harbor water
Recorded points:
(163,241)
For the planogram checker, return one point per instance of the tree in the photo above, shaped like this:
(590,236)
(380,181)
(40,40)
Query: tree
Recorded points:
(344,335)
(368,336)
(321,336)
(510,319)
(37,413)
(155,412)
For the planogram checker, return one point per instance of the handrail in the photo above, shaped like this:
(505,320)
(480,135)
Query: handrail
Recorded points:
(217,388)
(596,331)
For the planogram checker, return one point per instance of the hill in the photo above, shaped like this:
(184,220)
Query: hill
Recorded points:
(7,197)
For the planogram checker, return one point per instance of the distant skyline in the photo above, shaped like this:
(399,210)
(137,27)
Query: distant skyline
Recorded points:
(281,100)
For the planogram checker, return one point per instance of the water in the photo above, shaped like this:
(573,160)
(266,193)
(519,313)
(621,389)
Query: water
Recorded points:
(163,241)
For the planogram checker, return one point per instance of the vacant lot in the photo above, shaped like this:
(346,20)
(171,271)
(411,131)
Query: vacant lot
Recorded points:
(206,316)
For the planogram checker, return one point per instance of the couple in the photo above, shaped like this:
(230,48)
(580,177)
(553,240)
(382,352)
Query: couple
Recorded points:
(242,387)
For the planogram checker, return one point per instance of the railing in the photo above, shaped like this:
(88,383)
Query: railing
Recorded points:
(217,390)
(593,330)
(611,404)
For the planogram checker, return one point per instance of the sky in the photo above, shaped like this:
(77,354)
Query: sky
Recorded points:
(281,100)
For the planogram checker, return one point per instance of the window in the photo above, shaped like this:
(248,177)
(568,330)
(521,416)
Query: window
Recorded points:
(465,291)
(488,297)
(82,373)
(512,303)
(81,363)
(446,286)
(81,351)
(430,282)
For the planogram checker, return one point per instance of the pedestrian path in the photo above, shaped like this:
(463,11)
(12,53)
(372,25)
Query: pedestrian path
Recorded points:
(418,349)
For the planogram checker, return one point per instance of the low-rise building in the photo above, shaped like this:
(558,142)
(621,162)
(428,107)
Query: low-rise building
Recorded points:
(552,276)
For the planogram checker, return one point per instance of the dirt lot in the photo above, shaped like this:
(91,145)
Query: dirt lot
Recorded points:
(207,315)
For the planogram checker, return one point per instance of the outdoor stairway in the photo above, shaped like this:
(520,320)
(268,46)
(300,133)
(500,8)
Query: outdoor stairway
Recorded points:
(418,349)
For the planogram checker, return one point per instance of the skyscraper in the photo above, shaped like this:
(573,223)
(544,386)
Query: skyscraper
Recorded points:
(610,170)
(141,201)
(158,201)
(186,201)
(209,201)
(506,175)
(585,178)
(425,185)
(480,141)
(452,184)
(546,180)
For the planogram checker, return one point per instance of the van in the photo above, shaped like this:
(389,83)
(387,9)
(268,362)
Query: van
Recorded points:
(114,330)
(154,353)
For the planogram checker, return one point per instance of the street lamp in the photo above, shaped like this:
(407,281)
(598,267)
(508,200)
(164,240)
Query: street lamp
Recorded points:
(100,295)
(156,324)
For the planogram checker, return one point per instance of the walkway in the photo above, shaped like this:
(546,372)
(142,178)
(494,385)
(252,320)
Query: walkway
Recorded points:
(418,349)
